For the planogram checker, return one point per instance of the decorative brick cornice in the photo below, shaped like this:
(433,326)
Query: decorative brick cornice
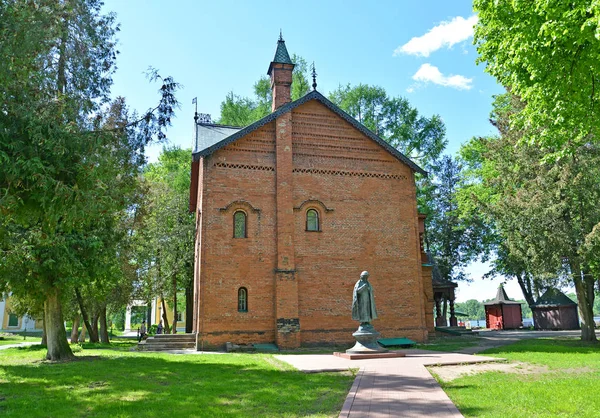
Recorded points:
(313,95)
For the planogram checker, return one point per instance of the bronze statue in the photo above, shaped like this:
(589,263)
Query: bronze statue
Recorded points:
(363,302)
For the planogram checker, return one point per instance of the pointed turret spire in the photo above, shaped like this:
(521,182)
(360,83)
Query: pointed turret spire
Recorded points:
(501,295)
(280,71)
(501,298)
(281,54)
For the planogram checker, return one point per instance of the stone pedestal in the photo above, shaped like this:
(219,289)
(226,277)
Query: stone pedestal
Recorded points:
(366,341)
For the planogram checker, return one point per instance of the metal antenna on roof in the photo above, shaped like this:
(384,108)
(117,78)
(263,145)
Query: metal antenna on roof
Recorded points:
(195,101)
(314,76)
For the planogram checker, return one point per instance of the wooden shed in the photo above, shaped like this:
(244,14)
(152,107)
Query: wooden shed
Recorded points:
(503,313)
(554,310)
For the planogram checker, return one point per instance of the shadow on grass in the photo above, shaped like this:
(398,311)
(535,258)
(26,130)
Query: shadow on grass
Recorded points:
(473,411)
(548,345)
(449,343)
(159,385)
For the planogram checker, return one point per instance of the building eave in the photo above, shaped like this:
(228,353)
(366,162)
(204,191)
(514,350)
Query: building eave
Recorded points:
(313,95)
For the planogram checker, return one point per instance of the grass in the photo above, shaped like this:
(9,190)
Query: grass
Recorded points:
(566,384)
(9,338)
(450,343)
(115,382)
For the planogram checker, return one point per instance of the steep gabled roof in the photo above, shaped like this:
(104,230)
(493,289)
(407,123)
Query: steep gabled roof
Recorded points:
(554,297)
(501,298)
(313,95)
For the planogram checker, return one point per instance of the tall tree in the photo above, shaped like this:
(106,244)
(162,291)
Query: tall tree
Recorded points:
(59,163)
(546,53)
(454,240)
(544,211)
(165,248)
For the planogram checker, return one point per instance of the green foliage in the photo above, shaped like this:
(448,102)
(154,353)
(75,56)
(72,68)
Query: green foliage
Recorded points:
(472,308)
(117,319)
(70,161)
(544,213)
(547,54)
(223,385)
(563,375)
(453,239)
(420,138)
(164,242)
(242,111)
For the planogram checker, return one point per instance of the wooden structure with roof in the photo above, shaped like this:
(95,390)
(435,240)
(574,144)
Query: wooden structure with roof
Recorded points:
(554,310)
(442,289)
(503,313)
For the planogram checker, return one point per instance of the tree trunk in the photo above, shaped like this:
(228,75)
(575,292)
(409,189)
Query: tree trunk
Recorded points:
(584,288)
(75,329)
(189,307)
(526,288)
(94,330)
(164,315)
(83,333)
(58,346)
(44,333)
(103,325)
(174,304)
(86,320)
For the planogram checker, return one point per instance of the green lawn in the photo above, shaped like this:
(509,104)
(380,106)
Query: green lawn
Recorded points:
(566,385)
(450,343)
(7,339)
(119,383)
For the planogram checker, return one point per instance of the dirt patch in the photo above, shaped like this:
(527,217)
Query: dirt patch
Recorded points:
(449,373)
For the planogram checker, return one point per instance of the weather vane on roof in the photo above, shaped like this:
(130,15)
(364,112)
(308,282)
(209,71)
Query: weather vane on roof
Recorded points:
(280,35)
(314,76)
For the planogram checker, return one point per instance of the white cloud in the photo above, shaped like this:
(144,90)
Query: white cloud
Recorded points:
(410,89)
(445,34)
(431,74)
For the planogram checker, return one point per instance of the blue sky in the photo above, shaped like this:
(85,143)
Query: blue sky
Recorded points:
(421,50)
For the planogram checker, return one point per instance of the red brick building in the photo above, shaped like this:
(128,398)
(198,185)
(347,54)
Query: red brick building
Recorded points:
(290,210)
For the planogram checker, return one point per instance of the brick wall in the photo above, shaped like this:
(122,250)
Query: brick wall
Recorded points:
(366,202)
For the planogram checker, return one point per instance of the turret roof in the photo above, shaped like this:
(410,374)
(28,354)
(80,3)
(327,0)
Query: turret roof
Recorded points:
(281,54)
(554,297)
(501,298)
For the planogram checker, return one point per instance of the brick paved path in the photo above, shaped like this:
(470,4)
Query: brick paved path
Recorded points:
(396,387)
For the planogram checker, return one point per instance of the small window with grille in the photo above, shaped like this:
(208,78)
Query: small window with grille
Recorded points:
(239,225)
(242,299)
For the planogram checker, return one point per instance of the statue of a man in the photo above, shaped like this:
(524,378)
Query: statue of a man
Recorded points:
(363,302)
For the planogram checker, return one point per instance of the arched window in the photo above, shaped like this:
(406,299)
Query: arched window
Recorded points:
(239,225)
(242,299)
(312,220)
